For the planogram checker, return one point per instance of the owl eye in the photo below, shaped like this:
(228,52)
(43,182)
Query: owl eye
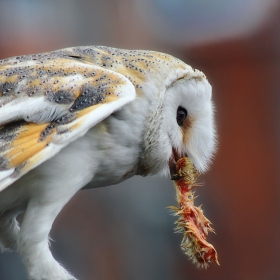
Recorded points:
(182,114)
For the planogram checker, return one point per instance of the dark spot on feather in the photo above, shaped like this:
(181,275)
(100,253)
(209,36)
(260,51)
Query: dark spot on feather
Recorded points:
(67,118)
(75,56)
(90,96)
(47,131)
(6,88)
(63,130)
(9,131)
(31,90)
(61,97)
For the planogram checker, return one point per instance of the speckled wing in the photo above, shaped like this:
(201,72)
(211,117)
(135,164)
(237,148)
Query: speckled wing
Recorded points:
(49,100)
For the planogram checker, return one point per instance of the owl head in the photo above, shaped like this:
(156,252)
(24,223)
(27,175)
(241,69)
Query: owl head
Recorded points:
(187,123)
(181,118)
(180,121)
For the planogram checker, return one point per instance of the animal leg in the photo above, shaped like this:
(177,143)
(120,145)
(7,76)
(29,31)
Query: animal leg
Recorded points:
(9,230)
(34,243)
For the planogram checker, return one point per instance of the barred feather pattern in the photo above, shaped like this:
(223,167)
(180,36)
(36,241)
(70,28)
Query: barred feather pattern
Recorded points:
(192,222)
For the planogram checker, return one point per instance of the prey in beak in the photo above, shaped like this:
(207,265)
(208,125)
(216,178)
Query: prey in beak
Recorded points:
(192,223)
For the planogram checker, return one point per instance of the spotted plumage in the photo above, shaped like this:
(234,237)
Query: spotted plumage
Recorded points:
(90,117)
(65,86)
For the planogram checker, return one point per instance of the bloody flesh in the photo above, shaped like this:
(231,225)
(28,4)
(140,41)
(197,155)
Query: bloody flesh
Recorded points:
(192,223)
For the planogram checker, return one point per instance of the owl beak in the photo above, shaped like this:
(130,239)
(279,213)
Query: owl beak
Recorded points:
(172,168)
(172,165)
(173,174)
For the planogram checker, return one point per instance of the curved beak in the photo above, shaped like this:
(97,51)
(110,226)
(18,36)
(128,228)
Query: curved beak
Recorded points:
(172,165)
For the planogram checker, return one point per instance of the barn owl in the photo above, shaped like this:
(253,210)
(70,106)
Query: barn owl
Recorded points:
(88,117)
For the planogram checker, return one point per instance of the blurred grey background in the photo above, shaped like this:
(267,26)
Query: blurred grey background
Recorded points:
(125,232)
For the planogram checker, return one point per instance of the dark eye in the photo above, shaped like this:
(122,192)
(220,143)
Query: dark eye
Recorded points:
(182,114)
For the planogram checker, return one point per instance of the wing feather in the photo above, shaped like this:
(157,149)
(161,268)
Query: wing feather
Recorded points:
(44,105)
